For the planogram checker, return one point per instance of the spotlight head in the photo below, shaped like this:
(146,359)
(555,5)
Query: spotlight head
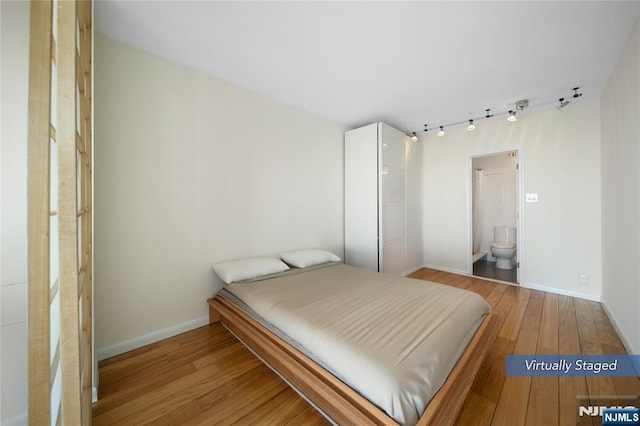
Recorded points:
(562,104)
(512,116)
(414,137)
(471,127)
(441,131)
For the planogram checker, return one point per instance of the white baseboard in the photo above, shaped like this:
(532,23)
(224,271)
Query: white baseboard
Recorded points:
(616,325)
(445,269)
(532,286)
(19,420)
(137,342)
(561,291)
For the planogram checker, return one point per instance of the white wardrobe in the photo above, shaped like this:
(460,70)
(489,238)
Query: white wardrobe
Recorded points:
(383,198)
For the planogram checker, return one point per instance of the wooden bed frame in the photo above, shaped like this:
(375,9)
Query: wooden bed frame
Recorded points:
(337,400)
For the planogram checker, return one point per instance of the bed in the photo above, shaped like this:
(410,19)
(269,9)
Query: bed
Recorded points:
(363,347)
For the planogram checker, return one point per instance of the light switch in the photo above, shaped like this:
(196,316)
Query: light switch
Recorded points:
(532,197)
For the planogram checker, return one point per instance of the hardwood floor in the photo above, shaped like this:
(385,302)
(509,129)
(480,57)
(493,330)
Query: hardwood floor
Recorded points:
(206,376)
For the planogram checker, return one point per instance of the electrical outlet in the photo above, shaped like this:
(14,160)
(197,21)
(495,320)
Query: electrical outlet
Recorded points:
(583,280)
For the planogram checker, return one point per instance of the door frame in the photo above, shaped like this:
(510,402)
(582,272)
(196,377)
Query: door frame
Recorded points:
(520,217)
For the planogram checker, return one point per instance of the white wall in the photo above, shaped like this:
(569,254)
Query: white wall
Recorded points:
(191,170)
(621,194)
(13,205)
(560,160)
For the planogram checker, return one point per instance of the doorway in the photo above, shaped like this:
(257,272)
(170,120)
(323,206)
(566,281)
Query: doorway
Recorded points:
(495,206)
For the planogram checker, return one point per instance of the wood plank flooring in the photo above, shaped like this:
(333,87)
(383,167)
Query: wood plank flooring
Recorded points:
(206,376)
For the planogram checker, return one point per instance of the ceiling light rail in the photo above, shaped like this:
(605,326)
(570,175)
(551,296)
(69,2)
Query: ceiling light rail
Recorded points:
(519,106)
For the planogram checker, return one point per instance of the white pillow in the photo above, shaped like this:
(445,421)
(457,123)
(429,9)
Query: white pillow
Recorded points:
(244,269)
(306,258)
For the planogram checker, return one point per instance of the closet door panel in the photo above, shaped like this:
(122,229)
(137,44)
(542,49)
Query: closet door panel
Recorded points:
(394,259)
(393,200)
(392,146)
(393,223)
(393,185)
(361,197)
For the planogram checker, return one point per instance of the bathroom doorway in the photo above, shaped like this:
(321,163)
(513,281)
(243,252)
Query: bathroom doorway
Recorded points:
(495,216)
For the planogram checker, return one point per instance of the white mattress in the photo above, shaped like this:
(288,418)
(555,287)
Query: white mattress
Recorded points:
(393,339)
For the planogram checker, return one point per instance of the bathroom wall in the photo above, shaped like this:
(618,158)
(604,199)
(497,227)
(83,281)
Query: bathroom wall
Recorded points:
(500,202)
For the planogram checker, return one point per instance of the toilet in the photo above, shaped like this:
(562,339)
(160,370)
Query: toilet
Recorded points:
(503,247)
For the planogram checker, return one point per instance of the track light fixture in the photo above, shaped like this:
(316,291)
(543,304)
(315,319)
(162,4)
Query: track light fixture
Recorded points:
(519,106)
(414,137)
(563,104)
(471,127)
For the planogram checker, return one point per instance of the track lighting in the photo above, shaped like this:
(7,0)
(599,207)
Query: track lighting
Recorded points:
(563,104)
(519,106)
(414,137)
(471,127)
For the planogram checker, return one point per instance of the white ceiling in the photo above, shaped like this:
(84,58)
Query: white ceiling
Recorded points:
(405,63)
